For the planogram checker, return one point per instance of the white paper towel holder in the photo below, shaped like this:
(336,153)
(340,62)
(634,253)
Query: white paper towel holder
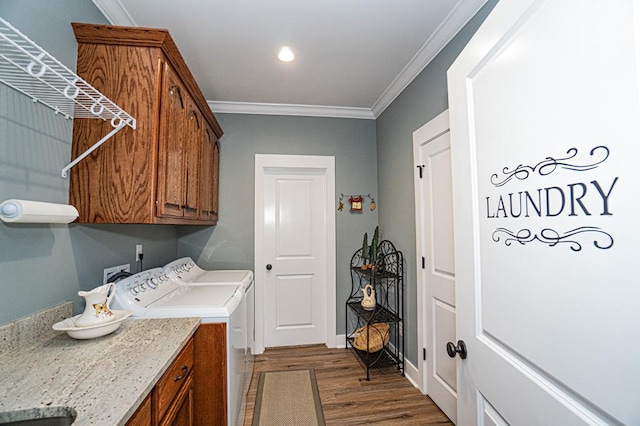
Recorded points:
(26,211)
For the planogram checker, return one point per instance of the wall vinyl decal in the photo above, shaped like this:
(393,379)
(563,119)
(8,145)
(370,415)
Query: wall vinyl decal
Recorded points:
(557,203)
(549,165)
(552,237)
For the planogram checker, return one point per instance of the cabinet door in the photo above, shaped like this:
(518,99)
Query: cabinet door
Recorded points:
(209,181)
(174,388)
(206,173)
(171,179)
(181,413)
(194,136)
(215,180)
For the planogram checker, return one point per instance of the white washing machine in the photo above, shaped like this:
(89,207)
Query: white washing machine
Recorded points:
(182,289)
(186,271)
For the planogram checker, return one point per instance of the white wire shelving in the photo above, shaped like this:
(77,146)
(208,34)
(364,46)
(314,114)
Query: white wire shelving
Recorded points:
(29,69)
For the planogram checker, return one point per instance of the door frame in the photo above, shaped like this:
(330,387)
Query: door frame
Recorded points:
(299,162)
(428,132)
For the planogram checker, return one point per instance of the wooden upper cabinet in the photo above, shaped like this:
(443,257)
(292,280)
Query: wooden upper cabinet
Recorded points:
(161,172)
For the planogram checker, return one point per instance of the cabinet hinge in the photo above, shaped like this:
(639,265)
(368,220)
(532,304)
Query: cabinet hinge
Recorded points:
(420,167)
(424,354)
(423,263)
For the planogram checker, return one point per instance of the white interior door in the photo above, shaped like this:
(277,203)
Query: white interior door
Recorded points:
(295,253)
(545,124)
(436,272)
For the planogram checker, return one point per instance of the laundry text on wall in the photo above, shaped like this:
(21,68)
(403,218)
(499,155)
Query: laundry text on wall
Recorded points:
(575,199)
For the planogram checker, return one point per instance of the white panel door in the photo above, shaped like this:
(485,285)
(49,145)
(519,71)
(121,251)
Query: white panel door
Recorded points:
(436,275)
(545,130)
(295,252)
(295,302)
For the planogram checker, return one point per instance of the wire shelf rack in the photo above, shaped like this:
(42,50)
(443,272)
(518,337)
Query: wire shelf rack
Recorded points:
(29,69)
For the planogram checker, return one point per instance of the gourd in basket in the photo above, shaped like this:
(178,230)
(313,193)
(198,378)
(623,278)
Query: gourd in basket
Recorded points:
(378,335)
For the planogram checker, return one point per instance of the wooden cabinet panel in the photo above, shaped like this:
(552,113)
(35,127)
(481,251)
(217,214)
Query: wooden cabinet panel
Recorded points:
(210,381)
(152,174)
(194,135)
(116,183)
(205,174)
(142,416)
(171,401)
(171,144)
(215,181)
(181,410)
(172,381)
(209,174)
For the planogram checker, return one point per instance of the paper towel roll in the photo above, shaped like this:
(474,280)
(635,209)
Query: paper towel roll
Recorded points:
(25,211)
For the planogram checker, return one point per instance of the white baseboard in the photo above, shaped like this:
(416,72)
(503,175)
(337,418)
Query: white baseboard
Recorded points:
(412,374)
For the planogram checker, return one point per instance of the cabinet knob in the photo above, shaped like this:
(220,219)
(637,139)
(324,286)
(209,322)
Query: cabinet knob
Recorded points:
(269,266)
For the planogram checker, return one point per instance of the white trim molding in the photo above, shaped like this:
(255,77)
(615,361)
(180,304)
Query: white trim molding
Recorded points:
(464,10)
(290,109)
(115,13)
(453,23)
(413,375)
(327,164)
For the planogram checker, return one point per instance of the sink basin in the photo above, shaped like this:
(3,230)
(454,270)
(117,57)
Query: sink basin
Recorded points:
(48,416)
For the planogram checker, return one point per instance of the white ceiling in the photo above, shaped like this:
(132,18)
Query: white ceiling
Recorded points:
(354,56)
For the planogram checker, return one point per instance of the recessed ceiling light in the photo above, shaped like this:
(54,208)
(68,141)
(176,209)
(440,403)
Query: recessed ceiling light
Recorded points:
(285,54)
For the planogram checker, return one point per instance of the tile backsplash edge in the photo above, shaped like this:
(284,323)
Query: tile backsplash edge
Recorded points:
(24,330)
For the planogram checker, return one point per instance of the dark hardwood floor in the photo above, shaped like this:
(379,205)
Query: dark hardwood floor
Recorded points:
(347,397)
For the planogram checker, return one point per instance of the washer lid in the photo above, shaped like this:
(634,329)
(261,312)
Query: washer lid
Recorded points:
(244,277)
(197,297)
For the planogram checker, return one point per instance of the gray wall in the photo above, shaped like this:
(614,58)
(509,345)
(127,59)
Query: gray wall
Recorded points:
(351,141)
(421,101)
(43,265)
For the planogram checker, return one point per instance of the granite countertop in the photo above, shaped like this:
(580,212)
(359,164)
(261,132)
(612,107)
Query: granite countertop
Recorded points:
(104,379)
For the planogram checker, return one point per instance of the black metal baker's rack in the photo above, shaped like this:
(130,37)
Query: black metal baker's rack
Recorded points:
(386,278)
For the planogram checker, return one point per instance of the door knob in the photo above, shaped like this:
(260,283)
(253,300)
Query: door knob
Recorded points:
(461,349)
(269,266)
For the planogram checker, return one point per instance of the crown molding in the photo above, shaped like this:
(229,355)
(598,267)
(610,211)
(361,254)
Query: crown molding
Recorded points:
(115,13)
(452,24)
(290,109)
(464,10)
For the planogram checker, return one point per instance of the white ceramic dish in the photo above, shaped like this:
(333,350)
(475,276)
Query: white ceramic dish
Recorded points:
(92,331)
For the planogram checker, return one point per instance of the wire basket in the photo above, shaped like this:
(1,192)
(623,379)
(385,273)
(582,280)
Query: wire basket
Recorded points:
(378,337)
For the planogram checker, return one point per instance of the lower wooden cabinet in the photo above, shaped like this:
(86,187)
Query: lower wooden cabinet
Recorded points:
(193,390)
(171,401)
